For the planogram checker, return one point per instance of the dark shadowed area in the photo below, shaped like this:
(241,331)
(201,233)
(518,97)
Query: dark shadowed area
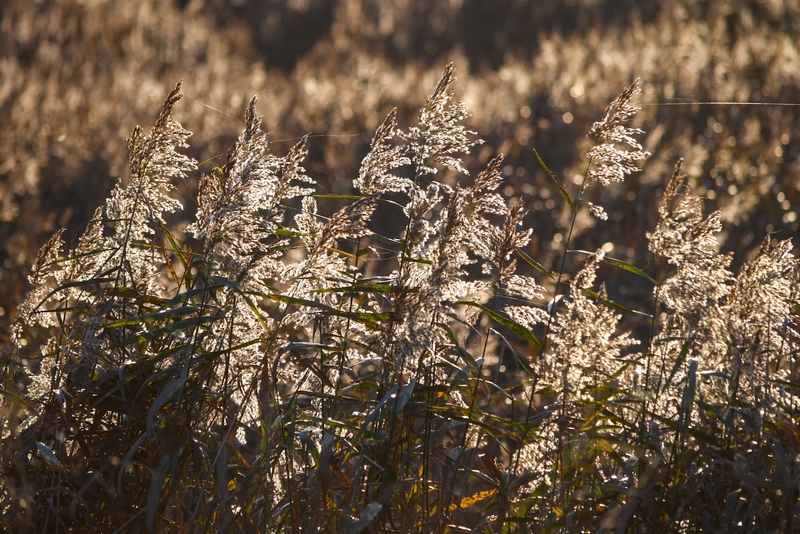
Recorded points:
(77,76)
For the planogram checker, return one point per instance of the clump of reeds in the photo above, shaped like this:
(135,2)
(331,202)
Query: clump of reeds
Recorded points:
(274,369)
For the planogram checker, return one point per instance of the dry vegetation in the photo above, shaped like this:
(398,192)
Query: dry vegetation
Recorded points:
(355,332)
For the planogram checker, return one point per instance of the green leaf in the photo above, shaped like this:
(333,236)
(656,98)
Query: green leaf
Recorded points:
(141,369)
(174,327)
(535,264)
(77,284)
(358,288)
(369,318)
(287,232)
(505,321)
(404,396)
(680,359)
(373,415)
(312,447)
(210,356)
(621,264)
(612,304)
(256,311)
(152,317)
(14,398)
(224,282)
(388,240)
(154,493)
(465,355)
(339,197)
(125,292)
(363,252)
(163,398)
(265,425)
(176,249)
(181,298)
(362,431)
(687,399)
(510,348)
(558,184)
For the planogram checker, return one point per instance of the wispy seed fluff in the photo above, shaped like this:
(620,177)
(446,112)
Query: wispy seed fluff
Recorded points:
(584,347)
(608,162)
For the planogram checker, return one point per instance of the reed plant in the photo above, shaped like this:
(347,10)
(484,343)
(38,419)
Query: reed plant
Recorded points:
(280,366)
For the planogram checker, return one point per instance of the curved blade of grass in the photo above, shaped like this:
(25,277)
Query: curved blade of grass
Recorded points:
(404,396)
(358,288)
(387,240)
(558,184)
(535,264)
(12,397)
(76,284)
(505,321)
(176,249)
(169,262)
(615,305)
(186,295)
(311,446)
(376,411)
(367,516)
(174,327)
(358,432)
(167,393)
(154,493)
(510,347)
(338,197)
(373,319)
(465,355)
(680,359)
(619,263)
(152,317)
(150,363)
(687,399)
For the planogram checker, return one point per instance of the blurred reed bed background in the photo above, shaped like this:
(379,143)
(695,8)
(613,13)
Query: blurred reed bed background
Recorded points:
(74,76)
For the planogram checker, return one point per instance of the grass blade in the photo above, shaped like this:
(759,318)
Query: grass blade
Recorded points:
(558,184)
(621,264)
(505,321)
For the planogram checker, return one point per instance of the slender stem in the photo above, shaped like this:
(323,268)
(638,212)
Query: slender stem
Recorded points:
(552,311)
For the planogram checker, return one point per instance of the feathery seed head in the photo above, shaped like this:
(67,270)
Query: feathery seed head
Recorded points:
(609,163)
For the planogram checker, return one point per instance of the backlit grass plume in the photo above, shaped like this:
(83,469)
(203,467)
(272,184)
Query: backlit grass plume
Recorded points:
(281,365)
